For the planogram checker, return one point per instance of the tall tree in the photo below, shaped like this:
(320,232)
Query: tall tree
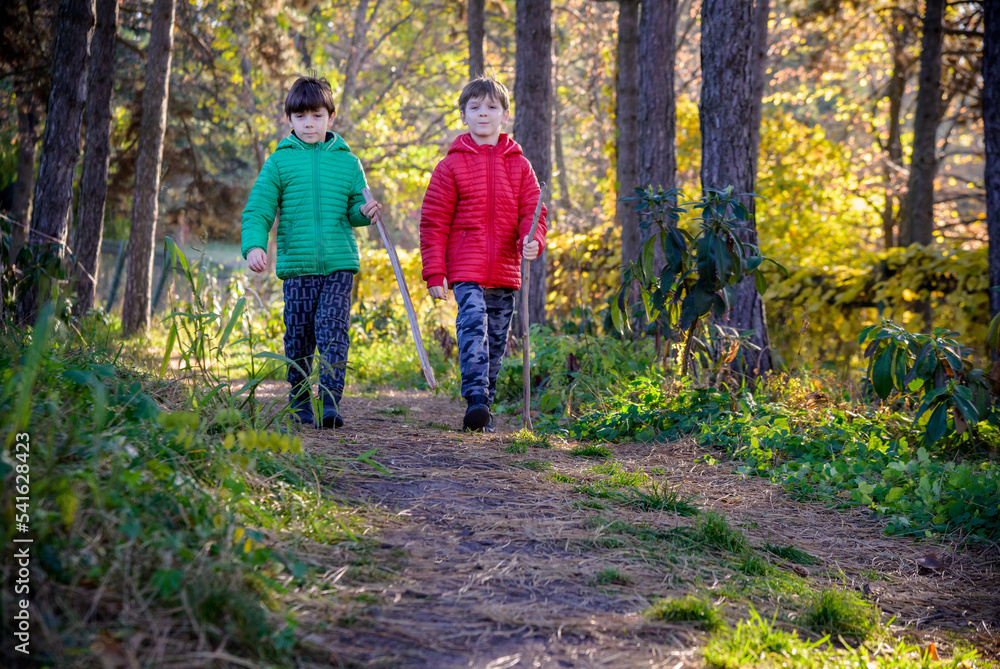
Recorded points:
(29,116)
(533,114)
(476,29)
(917,221)
(731,89)
(991,128)
(627,122)
(61,141)
(26,62)
(135,312)
(893,146)
(657,105)
(94,181)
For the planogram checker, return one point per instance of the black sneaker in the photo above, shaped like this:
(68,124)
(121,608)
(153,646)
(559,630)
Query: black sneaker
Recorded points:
(477,416)
(302,410)
(331,415)
(331,418)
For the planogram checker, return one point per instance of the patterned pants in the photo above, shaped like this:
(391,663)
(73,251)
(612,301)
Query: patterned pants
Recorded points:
(317,314)
(481,328)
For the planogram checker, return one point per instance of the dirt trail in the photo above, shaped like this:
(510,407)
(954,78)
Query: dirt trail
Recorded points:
(487,564)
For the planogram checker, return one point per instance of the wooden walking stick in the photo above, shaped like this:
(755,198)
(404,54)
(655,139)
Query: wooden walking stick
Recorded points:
(404,291)
(525,291)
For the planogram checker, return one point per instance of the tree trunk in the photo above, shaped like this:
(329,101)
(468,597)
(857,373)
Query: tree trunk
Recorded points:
(627,121)
(917,225)
(476,30)
(94,180)
(894,147)
(533,114)
(61,141)
(29,116)
(991,128)
(135,310)
(657,107)
(731,48)
(557,147)
(359,39)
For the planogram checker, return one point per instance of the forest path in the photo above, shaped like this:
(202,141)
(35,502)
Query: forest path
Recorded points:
(478,560)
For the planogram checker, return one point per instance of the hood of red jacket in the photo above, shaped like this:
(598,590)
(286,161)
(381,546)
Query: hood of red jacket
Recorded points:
(465,144)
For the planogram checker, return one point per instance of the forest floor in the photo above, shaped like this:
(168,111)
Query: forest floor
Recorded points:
(474,556)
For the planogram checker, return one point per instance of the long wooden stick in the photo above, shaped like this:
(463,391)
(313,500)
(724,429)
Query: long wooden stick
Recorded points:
(404,291)
(525,292)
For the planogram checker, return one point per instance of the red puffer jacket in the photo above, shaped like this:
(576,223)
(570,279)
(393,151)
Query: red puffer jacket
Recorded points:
(476,212)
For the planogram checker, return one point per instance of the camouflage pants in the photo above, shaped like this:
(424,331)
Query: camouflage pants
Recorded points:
(317,314)
(481,329)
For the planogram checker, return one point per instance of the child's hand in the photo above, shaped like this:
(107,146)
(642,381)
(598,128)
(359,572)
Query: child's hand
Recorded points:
(529,249)
(371,209)
(439,292)
(257,260)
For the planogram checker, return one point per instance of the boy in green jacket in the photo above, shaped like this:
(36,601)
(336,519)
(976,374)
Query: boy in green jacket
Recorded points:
(317,182)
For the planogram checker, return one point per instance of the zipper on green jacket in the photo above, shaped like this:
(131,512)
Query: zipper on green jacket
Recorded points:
(316,210)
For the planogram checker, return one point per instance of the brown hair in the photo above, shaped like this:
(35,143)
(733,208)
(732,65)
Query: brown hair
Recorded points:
(308,93)
(484,87)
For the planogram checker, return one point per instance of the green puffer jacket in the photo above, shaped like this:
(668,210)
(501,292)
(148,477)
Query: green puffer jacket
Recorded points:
(318,187)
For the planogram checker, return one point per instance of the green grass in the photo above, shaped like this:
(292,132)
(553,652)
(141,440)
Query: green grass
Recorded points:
(659,497)
(840,613)
(754,565)
(757,642)
(394,411)
(591,451)
(687,609)
(438,425)
(611,576)
(533,465)
(790,553)
(516,448)
(748,643)
(525,439)
(556,477)
(713,530)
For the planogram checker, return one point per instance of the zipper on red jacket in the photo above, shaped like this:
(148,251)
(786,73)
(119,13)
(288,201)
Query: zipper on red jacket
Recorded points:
(490,188)
(319,232)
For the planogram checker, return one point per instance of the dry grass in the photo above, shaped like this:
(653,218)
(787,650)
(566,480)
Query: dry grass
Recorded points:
(496,560)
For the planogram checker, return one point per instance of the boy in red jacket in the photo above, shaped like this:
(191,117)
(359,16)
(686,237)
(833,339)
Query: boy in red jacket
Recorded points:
(474,227)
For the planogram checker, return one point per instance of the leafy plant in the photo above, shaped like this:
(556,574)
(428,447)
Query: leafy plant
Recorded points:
(933,371)
(701,271)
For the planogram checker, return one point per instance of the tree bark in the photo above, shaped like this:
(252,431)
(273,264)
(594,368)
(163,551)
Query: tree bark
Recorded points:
(94,180)
(135,310)
(731,49)
(557,147)
(359,39)
(476,30)
(29,116)
(917,224)
(533,115)
(657,106)
(627,121)
(61,140)
(894,146)
(991,128)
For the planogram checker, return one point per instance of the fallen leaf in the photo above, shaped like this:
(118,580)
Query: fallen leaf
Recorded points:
(931,653)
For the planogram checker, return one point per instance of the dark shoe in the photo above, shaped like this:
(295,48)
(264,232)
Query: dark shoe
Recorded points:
(478,415)
(331,416)
(489,426)
(302,409)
